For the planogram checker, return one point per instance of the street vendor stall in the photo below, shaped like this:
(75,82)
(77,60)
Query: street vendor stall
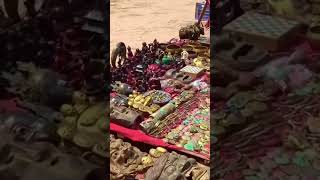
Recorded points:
(161,96)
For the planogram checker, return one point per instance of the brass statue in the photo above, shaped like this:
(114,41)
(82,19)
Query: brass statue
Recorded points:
(191,32)
(118,55)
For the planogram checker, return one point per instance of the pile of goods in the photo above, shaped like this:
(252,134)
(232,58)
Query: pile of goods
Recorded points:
(266,110)
(163,92)
(53,105)
(128,161)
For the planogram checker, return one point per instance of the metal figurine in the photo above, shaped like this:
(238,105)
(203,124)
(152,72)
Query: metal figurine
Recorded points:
(155,45)
(144,48)
(118,55)
(184,55)
(130,54)
(137,54)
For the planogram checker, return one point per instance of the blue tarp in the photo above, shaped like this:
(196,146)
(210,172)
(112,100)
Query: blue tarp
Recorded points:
(199,7)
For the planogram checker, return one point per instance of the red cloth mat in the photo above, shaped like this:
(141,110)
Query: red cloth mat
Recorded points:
(139,136)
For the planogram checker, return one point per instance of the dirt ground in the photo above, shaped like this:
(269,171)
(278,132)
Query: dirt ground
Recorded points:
(136,21)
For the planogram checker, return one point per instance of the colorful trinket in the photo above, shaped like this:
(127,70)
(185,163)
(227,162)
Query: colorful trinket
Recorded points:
(189,146)
(161,150)
(147,160)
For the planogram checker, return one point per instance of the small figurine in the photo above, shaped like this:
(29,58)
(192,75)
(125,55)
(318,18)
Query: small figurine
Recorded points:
(137,53)
(159,54)
(130,54)
(155,45)
(144,59)
(184,55)
(118,55)
(144,48)
(176,54)
(151,48)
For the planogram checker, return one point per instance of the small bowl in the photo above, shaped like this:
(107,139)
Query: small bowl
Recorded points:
(200,49)
(205,55)
(173,49)
(186,48)
(205,45)
(193,44)
(163,46)
(192,54)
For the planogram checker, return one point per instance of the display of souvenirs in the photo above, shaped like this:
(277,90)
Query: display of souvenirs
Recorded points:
(160,127)
(171,103)
(175,166)
(128,161)
(193,134)
(163,117)
(170,166)
(125,159)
